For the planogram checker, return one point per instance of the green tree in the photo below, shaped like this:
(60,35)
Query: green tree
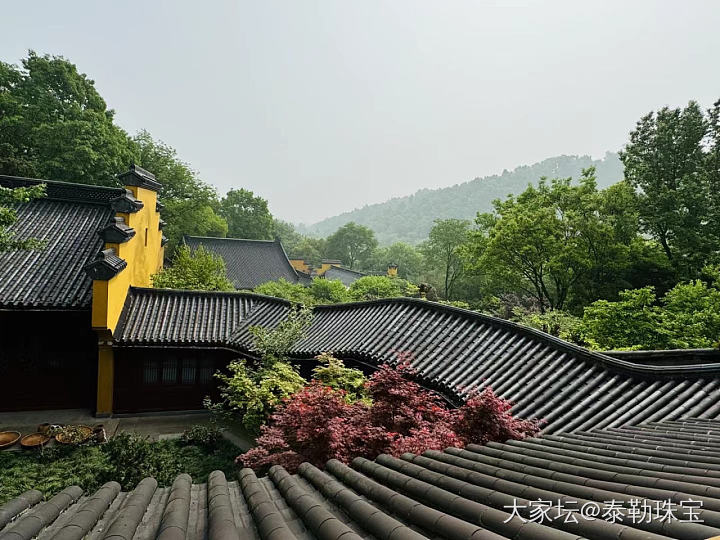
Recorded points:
(442,251)
(687,317)
(54,124)
(312,250)
(555,240)
(190,204)
(353,244)
(376,287)
(247,216)
(197,269)
(329,291)
(282,288)
(251,394)
(332,372)
(274,344)
(407,258)
(672,160)
(289,237)
(9,199)
(632,322)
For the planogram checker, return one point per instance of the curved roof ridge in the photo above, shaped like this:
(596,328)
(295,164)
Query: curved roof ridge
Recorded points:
(534,332)
(226,238)
(67,191)
(455,351)
(194,292)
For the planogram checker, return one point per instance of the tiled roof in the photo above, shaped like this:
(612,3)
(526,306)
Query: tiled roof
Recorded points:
(68,220)
(345,275)
(453,350)
(456,350)
(165,316)
(249,262)
(453,494)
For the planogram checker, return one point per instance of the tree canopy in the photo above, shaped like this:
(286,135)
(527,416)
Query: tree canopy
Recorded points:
(190,204)
(247,216)
(672,159)
(442,250)
(197,269)
(556,240)
(353,244)
(55,125)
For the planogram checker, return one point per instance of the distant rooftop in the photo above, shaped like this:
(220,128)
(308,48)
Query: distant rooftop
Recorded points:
(249,262)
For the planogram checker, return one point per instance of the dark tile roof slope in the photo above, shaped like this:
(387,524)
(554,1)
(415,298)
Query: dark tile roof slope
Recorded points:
(68,220)
(345,275)
(165,316)
(249,262)
(456,494)
(455,351)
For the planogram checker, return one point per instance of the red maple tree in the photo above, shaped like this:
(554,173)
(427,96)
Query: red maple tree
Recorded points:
(318,424)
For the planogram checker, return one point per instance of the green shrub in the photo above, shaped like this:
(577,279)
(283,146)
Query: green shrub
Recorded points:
(134,457)
(376,287)
(202,435)
(329,291)
(197,269)
(333,373)
(555,322)
(282,288)
(126,458)
(251,396)
(273,344)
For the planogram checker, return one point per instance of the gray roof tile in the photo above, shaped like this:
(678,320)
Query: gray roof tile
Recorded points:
(67,220)
(456,493)
(249,262)
(170,316)
(453,350)
(345,275)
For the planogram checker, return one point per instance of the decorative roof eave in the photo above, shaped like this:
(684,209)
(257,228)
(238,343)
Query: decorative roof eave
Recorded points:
(164,240)
(159,206)
(116,232)
(161,224)
(105,266)
(126,203)
(137,176)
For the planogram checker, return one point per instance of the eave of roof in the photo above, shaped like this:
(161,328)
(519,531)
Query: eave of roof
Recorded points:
(456,351)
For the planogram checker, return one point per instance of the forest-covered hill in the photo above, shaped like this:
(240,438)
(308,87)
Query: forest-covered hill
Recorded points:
(409,219)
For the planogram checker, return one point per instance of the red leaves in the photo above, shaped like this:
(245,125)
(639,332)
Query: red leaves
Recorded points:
(317,424)
(486,417)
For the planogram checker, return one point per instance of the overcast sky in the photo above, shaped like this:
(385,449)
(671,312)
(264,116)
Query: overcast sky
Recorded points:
(324,106)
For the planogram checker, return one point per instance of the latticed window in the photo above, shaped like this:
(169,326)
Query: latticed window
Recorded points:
(169,371)
(206,371)
(188,371)
(185,371)
(151,371)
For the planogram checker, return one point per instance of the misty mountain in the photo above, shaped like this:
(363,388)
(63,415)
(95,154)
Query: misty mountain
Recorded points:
(409,219)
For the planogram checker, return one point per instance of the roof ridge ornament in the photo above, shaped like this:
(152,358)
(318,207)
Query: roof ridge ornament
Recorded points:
(105,266)
(116,232)
(137,176)
(126,203)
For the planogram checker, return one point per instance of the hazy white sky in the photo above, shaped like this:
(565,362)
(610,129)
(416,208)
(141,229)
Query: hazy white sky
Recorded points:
(324,106)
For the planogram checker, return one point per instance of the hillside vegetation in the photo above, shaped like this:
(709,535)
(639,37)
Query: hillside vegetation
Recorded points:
(409,219)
